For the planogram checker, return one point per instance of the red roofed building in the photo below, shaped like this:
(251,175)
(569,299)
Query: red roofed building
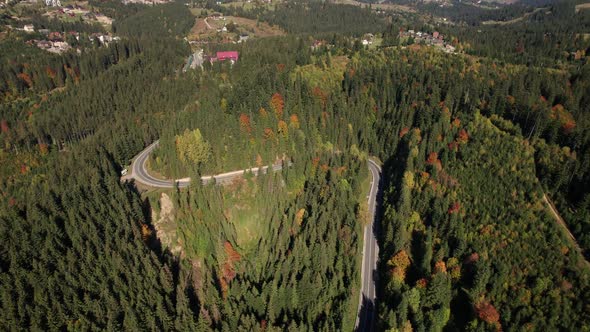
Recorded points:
(228,55)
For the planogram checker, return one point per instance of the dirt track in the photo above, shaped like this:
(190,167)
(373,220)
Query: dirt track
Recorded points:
(563,225)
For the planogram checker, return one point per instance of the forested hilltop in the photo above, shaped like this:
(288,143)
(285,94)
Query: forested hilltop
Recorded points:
(472,143)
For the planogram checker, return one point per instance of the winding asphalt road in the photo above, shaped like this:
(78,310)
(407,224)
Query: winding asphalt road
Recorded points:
(140,173)
(366,313)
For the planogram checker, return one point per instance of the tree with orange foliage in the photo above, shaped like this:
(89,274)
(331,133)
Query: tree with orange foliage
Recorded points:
(268,133)
(320,94)
(50,72)
(245,123)
(487,312)
(403,132)
(568,126)
(563,117)
(399,263)
(401,259)
(474,257)
(315,161)
(4,126)
(510,99)
(228,272)
(294,121)
(440,266)
(398,274)
(278,104)
(454,208)
(231,253)
(26,78)
(422,283)
(463,137)
(43,148)
(432,158)
(299,216)
(146,232)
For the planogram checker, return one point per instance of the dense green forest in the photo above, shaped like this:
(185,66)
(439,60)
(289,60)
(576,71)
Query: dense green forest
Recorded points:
(313,17)
(549,37)
(470,143)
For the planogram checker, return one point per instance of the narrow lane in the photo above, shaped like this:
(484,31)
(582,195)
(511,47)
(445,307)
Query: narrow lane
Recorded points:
(366,312)
(141,174)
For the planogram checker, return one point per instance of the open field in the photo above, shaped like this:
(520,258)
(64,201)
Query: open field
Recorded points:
(381,6)
(208,28)
(514,20)
(260,29)
(197,11)
(247,5)
(79,14)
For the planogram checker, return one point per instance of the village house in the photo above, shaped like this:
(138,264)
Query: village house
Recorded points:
(449,48)
(216,16)
(59,47)
(44,44)
(29,28)
(368,39)
(55,36)
(317,44)
(232,56)
(435,39)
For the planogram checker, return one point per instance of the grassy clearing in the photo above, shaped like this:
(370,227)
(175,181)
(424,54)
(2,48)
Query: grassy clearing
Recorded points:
(514,20)
(200,11)
(380,6)
(252,5)
(377,42)
(209,30)
(244,211)
(323,75)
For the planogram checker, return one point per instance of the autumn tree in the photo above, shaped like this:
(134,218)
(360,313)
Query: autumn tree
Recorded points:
(283,128)
(191,147)
(245,123)
(487,312)
(277,104)
(294,121)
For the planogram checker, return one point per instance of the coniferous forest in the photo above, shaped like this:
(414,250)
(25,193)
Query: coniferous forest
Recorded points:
(483,218)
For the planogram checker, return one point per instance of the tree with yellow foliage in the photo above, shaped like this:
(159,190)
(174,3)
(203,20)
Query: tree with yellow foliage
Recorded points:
(192,147)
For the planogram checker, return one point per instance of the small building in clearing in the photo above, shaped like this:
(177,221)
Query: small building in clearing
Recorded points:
(228,55)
